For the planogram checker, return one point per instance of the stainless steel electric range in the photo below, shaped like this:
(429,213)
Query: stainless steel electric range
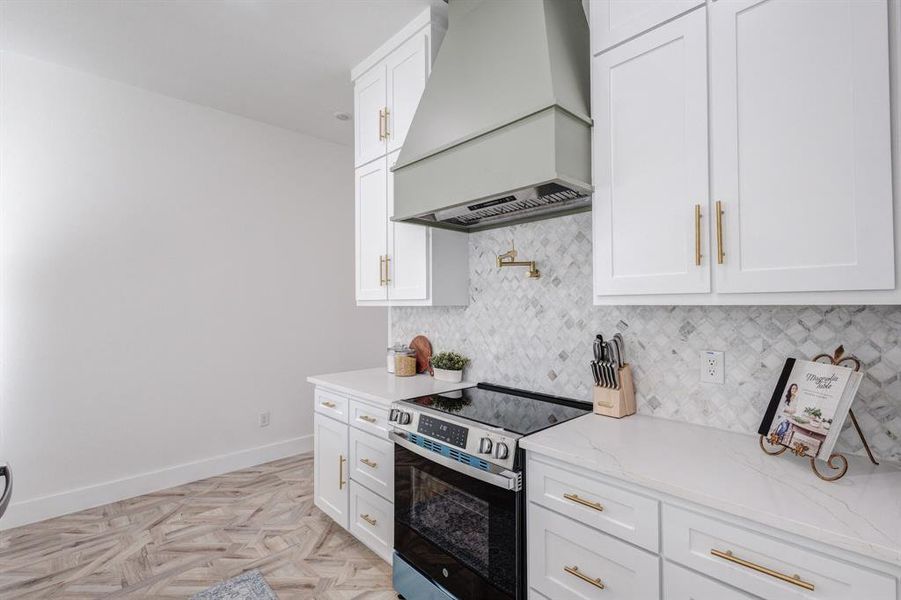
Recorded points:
(459,490)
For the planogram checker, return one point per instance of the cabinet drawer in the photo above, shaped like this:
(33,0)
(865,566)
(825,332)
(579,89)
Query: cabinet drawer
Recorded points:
(568,560)
(626,515)
(765,566)
(331,404)
(372,520)
(369,418)
(681,584)
(372,462)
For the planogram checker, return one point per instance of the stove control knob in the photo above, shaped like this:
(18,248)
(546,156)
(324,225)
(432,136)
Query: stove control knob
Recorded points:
(404,418)
(393,415)
(485,446)
(501,450)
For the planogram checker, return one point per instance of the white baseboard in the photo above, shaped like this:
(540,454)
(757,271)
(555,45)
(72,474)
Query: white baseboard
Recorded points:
(54,505)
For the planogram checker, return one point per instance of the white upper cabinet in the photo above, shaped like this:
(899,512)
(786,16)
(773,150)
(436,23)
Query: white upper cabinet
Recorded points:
(399,263)
(409,245)
(371,201)
(650,162)
(800,125)
(370,101)
(797,207)
(615,21)
(407,70)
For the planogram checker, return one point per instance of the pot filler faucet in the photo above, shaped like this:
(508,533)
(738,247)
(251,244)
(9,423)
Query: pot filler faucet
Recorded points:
(508,259)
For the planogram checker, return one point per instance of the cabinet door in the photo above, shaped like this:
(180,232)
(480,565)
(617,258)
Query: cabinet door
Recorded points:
(369,105)
(615,21)
(407,70)
(330,469)
(408,253)
(650,162)
(371,236)
(800,144)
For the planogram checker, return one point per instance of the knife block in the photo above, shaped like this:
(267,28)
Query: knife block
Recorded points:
(616,403)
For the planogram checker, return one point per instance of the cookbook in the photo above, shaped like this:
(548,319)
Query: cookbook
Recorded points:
(809,406)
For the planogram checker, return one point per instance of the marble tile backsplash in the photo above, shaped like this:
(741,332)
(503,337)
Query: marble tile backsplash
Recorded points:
(536,334)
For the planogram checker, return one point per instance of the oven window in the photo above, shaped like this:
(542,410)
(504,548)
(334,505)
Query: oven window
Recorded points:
(452,519)
(463,532)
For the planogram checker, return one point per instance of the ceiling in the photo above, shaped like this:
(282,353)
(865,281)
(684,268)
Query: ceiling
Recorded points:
(283,62)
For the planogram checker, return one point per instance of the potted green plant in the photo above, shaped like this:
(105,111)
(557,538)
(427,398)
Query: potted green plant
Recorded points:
(448,366)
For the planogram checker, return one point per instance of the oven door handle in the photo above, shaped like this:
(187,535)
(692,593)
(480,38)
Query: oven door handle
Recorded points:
(496,476)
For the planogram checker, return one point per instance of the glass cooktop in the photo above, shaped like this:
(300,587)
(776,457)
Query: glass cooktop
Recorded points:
(516,411)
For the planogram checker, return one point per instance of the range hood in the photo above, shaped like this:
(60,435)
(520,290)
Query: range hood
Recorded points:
(502,133)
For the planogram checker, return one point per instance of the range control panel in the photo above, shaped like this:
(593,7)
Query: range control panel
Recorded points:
(443,431)
(493,445)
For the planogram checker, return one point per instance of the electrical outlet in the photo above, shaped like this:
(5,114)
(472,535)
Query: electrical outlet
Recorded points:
(713,367)
(264,419)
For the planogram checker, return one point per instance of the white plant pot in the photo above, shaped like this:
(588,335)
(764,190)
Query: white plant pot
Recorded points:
(448,375)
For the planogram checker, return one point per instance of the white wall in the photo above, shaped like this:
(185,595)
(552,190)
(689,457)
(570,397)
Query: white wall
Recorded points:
(168,272)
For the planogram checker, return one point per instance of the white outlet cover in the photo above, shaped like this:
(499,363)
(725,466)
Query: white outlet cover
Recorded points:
(264,419)
(713,367)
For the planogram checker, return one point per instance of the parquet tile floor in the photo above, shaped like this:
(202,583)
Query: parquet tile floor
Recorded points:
(176,542)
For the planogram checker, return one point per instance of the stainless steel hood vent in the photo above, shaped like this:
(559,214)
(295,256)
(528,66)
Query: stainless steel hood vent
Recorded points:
(502,133)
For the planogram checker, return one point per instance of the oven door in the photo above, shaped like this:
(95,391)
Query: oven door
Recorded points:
(459,525)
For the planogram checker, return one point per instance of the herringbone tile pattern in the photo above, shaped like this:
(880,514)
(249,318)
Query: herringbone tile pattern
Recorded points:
(536,334)
(174,543)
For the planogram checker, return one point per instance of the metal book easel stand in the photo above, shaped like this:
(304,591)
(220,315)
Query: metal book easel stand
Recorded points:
(837,462)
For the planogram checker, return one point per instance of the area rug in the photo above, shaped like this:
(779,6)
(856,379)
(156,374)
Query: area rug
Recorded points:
(247,586)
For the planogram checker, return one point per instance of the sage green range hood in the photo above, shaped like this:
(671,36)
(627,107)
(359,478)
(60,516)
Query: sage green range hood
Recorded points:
(502,133)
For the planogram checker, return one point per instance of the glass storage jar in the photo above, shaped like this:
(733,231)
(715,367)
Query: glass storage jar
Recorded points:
(404,362)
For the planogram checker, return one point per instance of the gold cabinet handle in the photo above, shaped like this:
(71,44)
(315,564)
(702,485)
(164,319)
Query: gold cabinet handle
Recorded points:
(387,272)
(341,461)
(719,233)
(382,271)
(574,570)
(579,500)
(697,235)
(328,404)
(369,463)
(368,419)
(387,133)
(793,579)
(369,519)
(382,134)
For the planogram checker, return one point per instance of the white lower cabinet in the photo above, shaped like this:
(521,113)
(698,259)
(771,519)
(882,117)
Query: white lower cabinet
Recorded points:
(372,462)
(569,560)
(353,468)
(372,520)
(764,566)
(703,556)
(681,584)
(330,467)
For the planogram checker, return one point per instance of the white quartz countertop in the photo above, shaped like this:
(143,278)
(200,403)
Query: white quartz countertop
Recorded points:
(728,471)
(378,385)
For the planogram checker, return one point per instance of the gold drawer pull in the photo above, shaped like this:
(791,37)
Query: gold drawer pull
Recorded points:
(328,404)
(369,519)
(579,500)
(368,419)
(793,579)
(341,461)
(574,570)
(697,235)
(720,253)
(369,463)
